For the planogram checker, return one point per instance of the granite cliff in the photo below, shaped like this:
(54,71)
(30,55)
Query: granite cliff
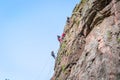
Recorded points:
(90,49)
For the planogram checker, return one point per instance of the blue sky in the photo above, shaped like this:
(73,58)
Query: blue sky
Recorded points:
(28,30)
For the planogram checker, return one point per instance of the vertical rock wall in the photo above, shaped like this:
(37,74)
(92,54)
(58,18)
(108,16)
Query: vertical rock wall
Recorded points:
(90,49)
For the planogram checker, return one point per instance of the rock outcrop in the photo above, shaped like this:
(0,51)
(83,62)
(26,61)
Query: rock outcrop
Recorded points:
(90,49)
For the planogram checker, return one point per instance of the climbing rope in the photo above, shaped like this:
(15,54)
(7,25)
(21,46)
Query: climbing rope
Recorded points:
(43,69)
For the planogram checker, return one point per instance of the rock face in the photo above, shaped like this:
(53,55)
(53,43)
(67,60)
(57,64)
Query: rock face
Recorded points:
(90,49)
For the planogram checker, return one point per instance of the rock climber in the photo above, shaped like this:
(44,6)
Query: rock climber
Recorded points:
(58,37)
(68,20)
(53,54)
(63,35)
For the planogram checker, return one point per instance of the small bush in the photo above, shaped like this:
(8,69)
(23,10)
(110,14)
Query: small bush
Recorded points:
(109,35)
(63,68)
(118,76)
(78,22)
(118,40)
(59,59)
(68,52)
(83,1)
(63,45)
